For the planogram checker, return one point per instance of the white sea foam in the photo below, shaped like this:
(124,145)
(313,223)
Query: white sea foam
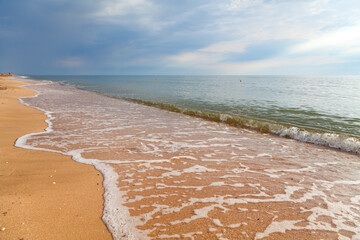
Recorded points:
(333,140)
(277,227)
(115,215)
(198,169)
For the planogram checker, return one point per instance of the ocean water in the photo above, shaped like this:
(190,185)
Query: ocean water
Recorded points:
(324,110)
(168,175)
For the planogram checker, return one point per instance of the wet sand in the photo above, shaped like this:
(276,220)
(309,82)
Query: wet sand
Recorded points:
(171,176)
(43,195)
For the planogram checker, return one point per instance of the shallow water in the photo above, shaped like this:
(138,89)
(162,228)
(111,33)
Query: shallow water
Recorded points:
(324,110)
(169,176)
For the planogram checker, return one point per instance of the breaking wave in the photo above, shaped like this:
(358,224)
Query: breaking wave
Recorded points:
(333,140)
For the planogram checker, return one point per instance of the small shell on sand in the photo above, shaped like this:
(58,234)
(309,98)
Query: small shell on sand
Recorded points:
(54,182)
(2,229)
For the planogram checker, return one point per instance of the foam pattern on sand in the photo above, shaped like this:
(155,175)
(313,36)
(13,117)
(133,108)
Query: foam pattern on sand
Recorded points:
(169,176)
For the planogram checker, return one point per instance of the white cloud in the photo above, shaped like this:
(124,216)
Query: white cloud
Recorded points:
(226,47)
(325,31)
(230,27)
(242,4)
(197,59)
(130,13)
(122,8)
(344,39)
(217,63)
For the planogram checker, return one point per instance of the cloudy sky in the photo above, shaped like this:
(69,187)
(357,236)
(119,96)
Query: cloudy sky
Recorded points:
(180,36)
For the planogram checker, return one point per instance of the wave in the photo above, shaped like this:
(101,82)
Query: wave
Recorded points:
(314,136)
(333,140)
(23,77)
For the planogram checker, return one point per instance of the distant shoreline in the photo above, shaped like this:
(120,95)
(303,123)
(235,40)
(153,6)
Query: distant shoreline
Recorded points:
(6,75)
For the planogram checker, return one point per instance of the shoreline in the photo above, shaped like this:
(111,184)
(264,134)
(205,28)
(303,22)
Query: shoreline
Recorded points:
(329,130)
(171,175)
(178,176)
(45,195)
(338,141)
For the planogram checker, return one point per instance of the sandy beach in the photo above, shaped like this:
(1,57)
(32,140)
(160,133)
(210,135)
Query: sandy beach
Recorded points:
(172,176)
(43,195)
(166,175)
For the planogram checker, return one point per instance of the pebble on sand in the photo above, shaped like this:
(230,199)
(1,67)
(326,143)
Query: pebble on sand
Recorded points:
(2,229)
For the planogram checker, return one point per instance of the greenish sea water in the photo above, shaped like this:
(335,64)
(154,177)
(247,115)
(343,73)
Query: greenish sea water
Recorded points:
(324,110)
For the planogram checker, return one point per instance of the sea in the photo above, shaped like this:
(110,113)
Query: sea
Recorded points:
(216,157)
(323,110)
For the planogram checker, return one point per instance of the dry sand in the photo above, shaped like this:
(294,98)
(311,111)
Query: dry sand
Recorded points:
(43,195)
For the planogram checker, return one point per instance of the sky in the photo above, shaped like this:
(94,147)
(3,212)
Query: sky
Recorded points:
(186,37)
